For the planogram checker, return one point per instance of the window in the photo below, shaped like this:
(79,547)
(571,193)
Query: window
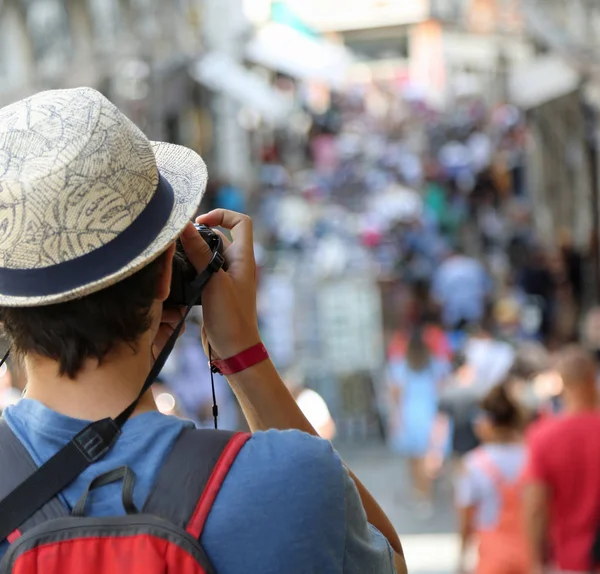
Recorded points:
(108,22)
(14,65)
(380,44)
(48,27)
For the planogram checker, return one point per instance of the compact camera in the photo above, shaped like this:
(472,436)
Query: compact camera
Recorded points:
(183,292)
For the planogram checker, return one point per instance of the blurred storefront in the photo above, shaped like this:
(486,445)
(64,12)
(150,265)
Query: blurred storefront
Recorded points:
(559,175)
(567,31)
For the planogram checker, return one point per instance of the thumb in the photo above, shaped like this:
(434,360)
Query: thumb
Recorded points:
(196,249)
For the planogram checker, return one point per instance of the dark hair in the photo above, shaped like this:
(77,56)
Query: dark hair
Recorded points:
(459,359)
(85,328)
(501,409)
(417,354)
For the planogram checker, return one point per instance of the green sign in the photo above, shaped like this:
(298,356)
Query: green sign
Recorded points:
(282,14)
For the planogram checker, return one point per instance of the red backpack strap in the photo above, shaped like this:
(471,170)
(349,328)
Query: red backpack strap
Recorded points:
(16,465)
(484,461)
(192,475)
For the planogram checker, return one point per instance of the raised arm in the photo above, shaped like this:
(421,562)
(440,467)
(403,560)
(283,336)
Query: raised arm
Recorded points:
(230,326)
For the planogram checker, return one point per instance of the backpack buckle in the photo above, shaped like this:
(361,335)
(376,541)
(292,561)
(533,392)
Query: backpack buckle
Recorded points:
(95,440)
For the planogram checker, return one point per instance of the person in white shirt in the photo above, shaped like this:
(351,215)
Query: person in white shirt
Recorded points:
(312,405)
(489,357)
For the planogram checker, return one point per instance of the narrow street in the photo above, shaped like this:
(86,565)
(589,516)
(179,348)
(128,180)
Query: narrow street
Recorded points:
(431,546)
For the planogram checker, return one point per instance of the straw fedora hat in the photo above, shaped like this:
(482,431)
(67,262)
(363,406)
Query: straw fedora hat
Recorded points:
(85,198)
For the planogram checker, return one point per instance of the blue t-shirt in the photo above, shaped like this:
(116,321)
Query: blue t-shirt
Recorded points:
(287,504)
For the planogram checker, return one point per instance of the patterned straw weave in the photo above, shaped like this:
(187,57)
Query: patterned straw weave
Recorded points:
(74,173)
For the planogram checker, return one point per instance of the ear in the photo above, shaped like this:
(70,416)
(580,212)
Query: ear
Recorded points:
(164,281)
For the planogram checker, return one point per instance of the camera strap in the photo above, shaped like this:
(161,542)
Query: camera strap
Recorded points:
(93,442)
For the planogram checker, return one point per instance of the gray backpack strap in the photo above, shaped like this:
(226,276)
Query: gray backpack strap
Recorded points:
(16,465)
(191,476)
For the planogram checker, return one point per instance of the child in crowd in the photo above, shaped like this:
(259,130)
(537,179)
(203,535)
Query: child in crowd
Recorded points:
(489,489)
(415,385)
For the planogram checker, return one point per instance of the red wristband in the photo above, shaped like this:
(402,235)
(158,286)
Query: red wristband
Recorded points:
(241,361)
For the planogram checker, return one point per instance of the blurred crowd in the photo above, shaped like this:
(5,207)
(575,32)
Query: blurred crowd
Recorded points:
(516,434)
(478,313)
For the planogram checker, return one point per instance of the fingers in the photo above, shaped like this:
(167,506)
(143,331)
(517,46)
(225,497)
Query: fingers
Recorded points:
(196,249)
(241,255)
(239,224)
(225,239)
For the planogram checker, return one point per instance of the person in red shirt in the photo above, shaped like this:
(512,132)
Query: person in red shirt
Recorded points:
(562,500)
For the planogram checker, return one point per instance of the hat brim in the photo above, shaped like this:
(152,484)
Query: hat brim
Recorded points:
(186,172)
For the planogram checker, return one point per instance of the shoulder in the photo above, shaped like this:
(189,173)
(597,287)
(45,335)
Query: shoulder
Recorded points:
(469,480)
(286,488)
(544,430)
(397,370)
(291,451)
(441,366)
(291,469)
(472,461)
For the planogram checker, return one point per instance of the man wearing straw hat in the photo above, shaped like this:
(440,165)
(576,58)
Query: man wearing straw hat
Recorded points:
(89,213)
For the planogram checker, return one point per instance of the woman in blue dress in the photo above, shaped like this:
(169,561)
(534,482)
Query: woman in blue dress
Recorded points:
(415,383)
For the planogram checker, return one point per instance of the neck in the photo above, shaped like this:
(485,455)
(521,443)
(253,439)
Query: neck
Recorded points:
(99,390)
(581,402)
(507,436)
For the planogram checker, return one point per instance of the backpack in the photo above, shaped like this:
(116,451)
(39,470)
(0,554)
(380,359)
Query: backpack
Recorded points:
(503,548)
(160,538)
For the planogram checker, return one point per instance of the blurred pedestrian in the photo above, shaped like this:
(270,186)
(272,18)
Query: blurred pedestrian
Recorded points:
(461,286)
(231,197)
(490,357)
(312,405)
(433,335)
(457,410)
(489,490)
(532,383)
(563,473)
(415,384)
(538,283)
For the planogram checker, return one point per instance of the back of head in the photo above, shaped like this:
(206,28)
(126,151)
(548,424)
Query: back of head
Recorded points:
(531,359)
(577,369)
(86,328)
(90,207)
(458,250)
(501,410)
(418,355)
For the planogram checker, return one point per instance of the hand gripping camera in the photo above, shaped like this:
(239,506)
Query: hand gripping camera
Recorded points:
(186,282)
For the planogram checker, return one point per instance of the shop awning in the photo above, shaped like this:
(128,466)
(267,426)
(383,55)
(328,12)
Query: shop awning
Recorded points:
(221,73)
(282,48)
(544,80)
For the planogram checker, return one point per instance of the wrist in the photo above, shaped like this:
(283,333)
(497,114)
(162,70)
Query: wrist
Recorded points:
(262,374)
(235,346)
(241,361)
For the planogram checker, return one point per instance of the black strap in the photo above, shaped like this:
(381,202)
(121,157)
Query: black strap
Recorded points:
(91,444)
(16,465)
(56,474)
(123,473)
(198,284)
(185,473)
